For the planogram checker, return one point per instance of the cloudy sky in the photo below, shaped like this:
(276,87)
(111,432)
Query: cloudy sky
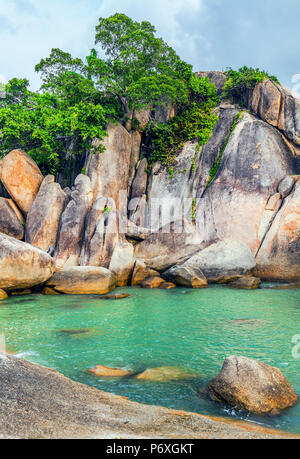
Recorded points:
(210,34)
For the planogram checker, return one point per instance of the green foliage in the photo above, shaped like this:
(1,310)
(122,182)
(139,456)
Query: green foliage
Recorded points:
(45,125)
(195,121)
(140,69)
(107,210)
(213,171)
(193,210)
(238,82)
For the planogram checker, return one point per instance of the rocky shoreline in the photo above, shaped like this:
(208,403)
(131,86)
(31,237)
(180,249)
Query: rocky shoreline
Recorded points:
(37,402)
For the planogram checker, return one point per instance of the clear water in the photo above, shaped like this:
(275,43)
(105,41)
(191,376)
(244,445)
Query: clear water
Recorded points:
(191,329)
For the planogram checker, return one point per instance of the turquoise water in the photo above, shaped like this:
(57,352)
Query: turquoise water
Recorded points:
(191,329)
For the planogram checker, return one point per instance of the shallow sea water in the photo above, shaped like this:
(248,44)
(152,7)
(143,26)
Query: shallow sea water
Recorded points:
(191,329)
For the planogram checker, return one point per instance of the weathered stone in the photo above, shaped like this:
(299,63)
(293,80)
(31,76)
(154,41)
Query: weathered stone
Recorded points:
(122,263)
(286,185)
(109,171)
(26,291)
(83,280)
(50,291)
(274,202)
(21,265)
(101,371)
(141,272)
(135,155)
(253,386)
(94,228)
(186,275)
(69,240)
(279,255)
(105,238)
(172,244)
(44,216)
(68,409)
(21,177)
(249,283)
(216,78)
(167,286)
(266,102)
(136,232)
(117,296)
(223,261)
(3,295)
(11,220)
(152,282)
(289,119)
(164,374)
(253,164)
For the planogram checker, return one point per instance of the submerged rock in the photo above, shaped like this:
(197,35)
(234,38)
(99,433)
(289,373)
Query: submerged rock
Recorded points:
(21,265)
(252,386)
(79,331)
(11,220)
(21,177)
(249,283)
(118,296)
(83,280)
(101,371)
(164,374)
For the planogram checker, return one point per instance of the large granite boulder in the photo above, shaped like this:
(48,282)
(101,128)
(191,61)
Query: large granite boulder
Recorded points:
(221,262)
(186,275)
(72,223)
(172,244)
(83,280)
(109,171)
(21,177)
(276,105)
(279,255)
(22,265)
(11,220)
(103,231)
(253,386)
(44,216)
(254,162)
(122,263)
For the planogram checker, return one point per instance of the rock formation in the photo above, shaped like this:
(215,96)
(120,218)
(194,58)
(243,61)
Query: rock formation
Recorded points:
(253,386)
(137,219)
(22,265)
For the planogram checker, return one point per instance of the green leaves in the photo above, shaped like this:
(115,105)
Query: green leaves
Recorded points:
(239,82)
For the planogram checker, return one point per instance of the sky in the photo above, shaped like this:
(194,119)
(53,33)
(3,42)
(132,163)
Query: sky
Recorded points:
(210,34)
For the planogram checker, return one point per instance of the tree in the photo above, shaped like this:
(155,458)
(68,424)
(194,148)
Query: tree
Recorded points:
(140,69)
(79,97)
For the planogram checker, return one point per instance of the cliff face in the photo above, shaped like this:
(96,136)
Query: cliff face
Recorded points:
(254,197)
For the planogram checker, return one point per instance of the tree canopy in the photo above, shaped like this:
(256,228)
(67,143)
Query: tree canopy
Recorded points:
(79,97)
